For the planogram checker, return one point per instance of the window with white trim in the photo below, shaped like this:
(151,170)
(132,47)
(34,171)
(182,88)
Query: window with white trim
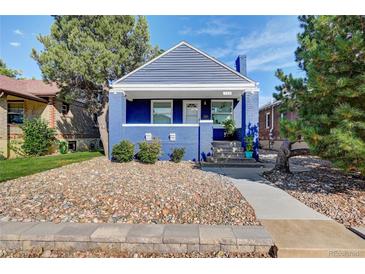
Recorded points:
(221,110)
(161,112)
(268,119)
(15,112)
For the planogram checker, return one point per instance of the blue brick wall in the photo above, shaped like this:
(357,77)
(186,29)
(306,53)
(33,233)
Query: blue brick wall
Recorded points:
(117,117)
(205,139)
(187,137)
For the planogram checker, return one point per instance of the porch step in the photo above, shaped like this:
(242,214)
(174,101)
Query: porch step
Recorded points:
(234,160)
(244,163)
(229,155)
(226,144)
(227,149)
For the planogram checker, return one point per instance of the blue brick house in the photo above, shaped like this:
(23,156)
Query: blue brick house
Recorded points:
(181,97)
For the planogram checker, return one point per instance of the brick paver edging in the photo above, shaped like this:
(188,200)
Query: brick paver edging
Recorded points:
(169,238)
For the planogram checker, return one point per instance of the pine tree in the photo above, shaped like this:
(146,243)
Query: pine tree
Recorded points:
(84,54)
(4,70)
(330,100)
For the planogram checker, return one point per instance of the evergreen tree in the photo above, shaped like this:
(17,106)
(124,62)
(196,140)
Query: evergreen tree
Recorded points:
(84,54)
(4,70)
(330,100)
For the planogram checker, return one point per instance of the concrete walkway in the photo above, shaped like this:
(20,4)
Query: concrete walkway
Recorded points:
(297,230)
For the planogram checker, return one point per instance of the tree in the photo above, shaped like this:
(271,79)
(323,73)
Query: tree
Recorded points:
(85,54)
(4,70)
(330,100)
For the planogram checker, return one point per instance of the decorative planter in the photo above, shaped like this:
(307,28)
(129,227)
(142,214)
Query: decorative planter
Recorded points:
(248,154)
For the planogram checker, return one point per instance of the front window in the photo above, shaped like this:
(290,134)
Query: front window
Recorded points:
(221,111)
(15,112)
(268,119)
(161,112)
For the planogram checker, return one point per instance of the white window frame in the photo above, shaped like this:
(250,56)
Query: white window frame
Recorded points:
(185,102)
(267,119)
(163,101)
(211,112)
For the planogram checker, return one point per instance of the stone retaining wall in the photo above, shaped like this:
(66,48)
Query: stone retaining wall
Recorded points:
(170,238)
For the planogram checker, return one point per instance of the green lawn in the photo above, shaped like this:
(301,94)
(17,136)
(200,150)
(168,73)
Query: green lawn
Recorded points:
(14,168)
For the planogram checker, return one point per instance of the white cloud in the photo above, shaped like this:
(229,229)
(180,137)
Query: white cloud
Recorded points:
(267,49)
(271,59)
(264,100)
(213,27)
(18,32)
(15,44)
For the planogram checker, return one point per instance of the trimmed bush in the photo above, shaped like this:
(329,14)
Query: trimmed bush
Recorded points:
(229,128)
(123,152)
(38,137)
(149,152)
(177,154)
(63,147)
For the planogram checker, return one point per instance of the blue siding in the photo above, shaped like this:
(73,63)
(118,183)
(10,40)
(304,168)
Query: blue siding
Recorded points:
(139,111)
(183,65)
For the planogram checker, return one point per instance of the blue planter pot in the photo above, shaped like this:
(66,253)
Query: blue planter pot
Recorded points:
(248,154)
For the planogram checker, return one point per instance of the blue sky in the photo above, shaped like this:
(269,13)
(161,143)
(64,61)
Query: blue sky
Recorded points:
(268,41)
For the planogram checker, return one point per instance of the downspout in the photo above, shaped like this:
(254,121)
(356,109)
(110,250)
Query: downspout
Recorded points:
(272,127)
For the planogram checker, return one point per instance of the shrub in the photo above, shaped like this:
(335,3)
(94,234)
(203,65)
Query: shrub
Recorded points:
(38,137)
(177,154)
(229,128)
(63,147)
(2,157)
(149,152)
(249,142)
(123,152)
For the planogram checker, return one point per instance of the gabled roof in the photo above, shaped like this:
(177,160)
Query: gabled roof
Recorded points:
(30,89)
(184,64)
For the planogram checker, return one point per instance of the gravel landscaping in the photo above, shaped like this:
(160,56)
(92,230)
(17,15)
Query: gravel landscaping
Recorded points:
(324,188)
(103,192)
(40,253)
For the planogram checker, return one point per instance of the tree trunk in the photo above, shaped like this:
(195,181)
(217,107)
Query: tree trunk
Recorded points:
(284,154)
(103,128)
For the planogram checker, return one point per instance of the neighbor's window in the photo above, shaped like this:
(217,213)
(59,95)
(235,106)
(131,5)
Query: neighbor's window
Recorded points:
(65,108)
(15,112)
(221,111)
(161,112)
(268,119)
(72,145)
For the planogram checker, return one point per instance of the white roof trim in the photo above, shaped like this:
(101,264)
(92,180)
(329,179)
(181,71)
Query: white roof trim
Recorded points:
(192,47)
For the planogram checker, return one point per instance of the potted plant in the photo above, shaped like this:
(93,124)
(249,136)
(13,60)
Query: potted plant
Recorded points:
(229,129)
(249,146)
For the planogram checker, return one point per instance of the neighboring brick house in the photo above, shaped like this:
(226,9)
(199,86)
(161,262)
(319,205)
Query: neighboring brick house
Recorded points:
(269,126)
(27,99)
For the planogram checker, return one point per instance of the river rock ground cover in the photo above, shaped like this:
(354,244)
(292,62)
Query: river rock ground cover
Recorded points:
(322,187)
(100,191)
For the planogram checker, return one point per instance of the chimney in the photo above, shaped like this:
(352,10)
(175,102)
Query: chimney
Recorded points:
(241,66)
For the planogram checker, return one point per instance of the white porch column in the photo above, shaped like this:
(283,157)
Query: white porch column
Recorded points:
(250,118)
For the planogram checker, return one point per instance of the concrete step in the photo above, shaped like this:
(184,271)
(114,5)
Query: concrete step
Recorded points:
(226,144)
(230,155)
(214,159)
(227,149)
(239,164)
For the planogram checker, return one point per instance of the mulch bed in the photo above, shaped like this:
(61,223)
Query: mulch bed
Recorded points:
(103,192)
(324,188)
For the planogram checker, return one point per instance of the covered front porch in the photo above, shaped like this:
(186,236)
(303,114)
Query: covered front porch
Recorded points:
(188,117)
